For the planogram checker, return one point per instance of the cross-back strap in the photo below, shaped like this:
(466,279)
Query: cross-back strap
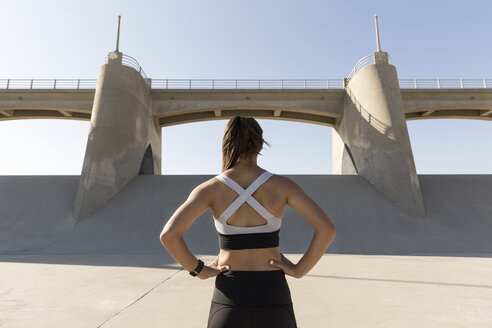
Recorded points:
(245,196)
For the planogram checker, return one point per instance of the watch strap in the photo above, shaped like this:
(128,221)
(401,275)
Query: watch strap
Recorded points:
(198,268)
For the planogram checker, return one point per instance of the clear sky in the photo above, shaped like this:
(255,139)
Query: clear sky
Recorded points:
(244,40)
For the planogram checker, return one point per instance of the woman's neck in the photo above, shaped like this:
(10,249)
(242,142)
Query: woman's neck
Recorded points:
(247,162)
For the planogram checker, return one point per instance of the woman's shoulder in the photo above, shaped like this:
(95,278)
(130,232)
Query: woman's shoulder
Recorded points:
(282,179)
(210,184)
(281,184)
(206,188)
(287,188)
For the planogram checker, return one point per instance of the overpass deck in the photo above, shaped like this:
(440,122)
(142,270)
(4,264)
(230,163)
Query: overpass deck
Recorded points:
(176,106)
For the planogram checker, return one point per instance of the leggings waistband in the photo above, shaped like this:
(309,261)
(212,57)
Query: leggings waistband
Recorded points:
(253,274)
(252,288)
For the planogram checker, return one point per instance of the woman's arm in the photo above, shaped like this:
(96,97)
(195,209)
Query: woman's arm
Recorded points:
(172,234)
(324,232)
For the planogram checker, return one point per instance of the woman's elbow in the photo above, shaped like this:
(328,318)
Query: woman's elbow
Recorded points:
(333,233)
(163,238)
(166,237)
(328,230)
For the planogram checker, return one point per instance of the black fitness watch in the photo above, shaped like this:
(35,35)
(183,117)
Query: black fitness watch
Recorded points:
(198,268)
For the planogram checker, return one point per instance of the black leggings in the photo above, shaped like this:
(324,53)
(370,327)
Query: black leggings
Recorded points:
(247,299)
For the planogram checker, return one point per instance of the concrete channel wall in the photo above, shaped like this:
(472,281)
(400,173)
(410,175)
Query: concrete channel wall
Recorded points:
(36,217)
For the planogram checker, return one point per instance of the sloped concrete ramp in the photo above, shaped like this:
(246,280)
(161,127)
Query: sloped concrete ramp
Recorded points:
(110,270)
(36,217)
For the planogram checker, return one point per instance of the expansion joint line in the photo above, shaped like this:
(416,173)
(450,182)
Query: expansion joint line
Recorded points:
(138,299)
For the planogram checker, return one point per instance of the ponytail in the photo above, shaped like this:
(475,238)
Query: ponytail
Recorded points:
(242,138)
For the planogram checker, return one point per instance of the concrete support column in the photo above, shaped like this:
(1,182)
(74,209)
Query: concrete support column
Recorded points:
(371,139)
(124,138)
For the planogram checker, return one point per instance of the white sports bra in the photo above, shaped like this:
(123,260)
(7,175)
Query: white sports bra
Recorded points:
(273,222)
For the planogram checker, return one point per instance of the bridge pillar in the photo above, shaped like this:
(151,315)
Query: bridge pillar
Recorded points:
(371,139)
(124,139)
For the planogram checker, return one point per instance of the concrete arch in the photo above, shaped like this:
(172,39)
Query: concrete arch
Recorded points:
(459,112)
(24,104)
(260,112)
(18,113)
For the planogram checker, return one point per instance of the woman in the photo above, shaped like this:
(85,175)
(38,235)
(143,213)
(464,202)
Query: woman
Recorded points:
(250,285)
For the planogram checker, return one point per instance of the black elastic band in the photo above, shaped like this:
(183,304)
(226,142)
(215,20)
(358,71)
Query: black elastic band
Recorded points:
(249,240)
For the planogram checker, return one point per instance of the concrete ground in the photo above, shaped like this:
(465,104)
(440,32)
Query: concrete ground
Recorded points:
(341,291)
(384,268)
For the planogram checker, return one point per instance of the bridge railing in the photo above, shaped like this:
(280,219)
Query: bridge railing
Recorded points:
(247,84)
(130,62)
(207,84)
(363,62)
(48,84)
(445,83)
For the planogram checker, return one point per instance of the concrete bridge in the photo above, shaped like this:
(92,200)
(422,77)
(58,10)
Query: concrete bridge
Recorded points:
(368,112)
(175,106)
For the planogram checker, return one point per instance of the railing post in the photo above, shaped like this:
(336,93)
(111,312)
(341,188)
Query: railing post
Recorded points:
(304,84)
(32,80)
(485,84)
(461,83)
(327,84)
(8,82)
(78,84)
(282,83)
(190,83)
(167,80)
(438,84)
(259,84)
(213,84)
(54,85)
(415,83)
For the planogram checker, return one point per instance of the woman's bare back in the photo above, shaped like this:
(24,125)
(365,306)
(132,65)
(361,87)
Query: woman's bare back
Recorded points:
(272,195)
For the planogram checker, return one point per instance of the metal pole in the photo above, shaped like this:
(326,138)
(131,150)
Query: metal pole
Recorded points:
(377,32)
(118,35)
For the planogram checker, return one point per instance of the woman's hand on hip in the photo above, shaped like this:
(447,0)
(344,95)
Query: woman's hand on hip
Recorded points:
(212,269)
(286,266)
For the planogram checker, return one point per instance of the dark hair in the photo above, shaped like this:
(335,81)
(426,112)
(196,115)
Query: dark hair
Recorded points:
(242,138)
